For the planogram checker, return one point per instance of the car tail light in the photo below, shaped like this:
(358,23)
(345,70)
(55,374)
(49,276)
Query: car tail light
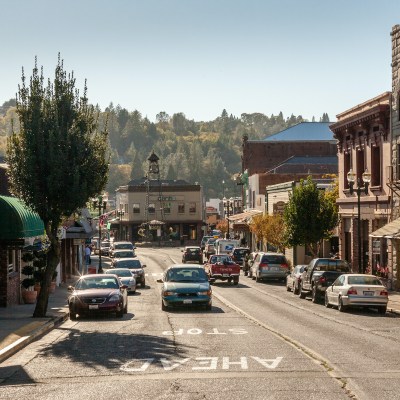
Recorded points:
(352,291)
(322,279)
(263,266)
(384,293)
(284,266)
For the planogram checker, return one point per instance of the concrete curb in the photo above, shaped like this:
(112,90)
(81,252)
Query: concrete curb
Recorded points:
(23,341)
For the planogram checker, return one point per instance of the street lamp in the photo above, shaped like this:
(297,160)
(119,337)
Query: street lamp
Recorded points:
(120,215)
(101,206)
(227,203)
(361,187)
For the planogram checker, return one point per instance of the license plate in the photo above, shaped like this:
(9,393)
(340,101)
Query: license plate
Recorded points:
(225,275)
(368,293)
(274,268)
(93,307)
(187,301)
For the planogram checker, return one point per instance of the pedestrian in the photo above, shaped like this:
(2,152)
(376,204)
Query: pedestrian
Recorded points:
(88,252)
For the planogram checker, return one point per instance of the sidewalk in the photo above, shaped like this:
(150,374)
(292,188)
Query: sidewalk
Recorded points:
(18,328)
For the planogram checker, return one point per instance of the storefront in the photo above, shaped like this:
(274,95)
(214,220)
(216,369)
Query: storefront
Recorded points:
(19,226)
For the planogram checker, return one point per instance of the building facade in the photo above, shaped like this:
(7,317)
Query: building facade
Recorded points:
(364,145)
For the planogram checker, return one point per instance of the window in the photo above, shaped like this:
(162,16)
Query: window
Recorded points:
(181,208)
(126,209)
(347,164)
(12,261)
(136,208)
(192,208)
(167,208)
(375,166)
(360,165)
(152,208)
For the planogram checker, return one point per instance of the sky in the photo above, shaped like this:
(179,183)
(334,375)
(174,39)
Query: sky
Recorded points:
(199,57)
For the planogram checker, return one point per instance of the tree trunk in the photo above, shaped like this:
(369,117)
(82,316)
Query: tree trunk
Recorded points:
(53,258)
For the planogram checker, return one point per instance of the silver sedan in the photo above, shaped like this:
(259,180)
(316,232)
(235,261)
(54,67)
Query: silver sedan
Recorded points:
(357,290)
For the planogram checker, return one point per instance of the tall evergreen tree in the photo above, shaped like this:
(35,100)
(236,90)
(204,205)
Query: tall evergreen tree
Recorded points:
(59,160)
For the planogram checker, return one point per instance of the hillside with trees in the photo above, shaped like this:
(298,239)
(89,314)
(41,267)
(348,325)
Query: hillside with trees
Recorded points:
(197,151)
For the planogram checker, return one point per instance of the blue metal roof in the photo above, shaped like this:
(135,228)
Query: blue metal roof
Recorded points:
(304,131)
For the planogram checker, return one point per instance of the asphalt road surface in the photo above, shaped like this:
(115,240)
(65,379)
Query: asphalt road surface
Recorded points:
(258,342)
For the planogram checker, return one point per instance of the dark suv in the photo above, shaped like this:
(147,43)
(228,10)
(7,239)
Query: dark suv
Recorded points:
(238,254)
(192,253)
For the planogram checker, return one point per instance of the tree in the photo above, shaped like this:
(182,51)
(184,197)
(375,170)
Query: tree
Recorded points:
(258,227)
(58,160)
(309,217)
(275,231)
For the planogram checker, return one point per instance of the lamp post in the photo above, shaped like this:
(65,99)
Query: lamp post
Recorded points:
(120,214)
(101,206)
(362,186)
(227,203)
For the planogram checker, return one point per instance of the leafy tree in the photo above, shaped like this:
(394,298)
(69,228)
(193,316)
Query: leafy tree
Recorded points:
(258,227)
(309,217)
(58,160)
(275,231)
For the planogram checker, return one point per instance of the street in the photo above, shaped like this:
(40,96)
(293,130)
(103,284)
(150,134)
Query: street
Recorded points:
(258,342)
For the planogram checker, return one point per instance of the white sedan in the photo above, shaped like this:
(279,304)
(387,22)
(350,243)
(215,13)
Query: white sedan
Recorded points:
(357,290)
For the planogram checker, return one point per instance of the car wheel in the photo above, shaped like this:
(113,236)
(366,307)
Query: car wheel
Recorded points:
(288,288)
(208,307)
(245,273)
(143,284)
(72,316)
(327,304)
(257,278)
(120,313)
(382,310)
(229,280)
(236,281)
(163,306)
(314,295)
(341,306)
(302,294)
(295,289)
(126,307)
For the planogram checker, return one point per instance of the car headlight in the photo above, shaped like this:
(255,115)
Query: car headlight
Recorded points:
(167,293)
(114,297)
(131,281)
(205,293)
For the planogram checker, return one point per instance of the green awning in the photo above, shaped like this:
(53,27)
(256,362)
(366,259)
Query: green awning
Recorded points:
(17,220)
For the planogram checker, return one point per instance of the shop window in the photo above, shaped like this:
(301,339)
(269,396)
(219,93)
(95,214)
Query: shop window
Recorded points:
(136,208)
(375,166)
(192,208)
(152,208)
(181,208)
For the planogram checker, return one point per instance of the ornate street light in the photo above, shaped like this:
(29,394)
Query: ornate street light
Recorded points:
(228,203)
(120,214)
(362,186)
(101,206)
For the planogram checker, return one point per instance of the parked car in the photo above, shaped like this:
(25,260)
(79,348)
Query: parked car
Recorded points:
(123,254)
(185,285)
(105,248)
(126,277)
(121,245)
(97,293)
(238,254)
(319,274)
(356,290)
(135,266)
(192,253)
(294,278)
(270,266)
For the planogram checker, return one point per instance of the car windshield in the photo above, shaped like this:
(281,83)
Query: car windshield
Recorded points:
(240,252)
(332,265)
(97,283)
(105,244)
(123,254)
(186,275)
(220,259)
(363,280)
(131,264)
(193,251)
(123,246)
(123,273)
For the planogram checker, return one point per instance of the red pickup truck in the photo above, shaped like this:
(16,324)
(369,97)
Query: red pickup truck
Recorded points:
(221,266)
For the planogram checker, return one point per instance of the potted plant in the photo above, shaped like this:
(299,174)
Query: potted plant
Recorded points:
(53,283)
(28,294)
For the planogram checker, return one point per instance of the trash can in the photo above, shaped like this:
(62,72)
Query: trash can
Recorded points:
(92,269)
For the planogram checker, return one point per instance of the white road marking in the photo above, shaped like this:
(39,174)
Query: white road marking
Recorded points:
(198,331)
(200,363)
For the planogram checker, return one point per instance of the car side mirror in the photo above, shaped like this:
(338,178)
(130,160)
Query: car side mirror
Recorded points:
(144,265)
(70,288)
(160,281)
(124,287)
(305,269)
